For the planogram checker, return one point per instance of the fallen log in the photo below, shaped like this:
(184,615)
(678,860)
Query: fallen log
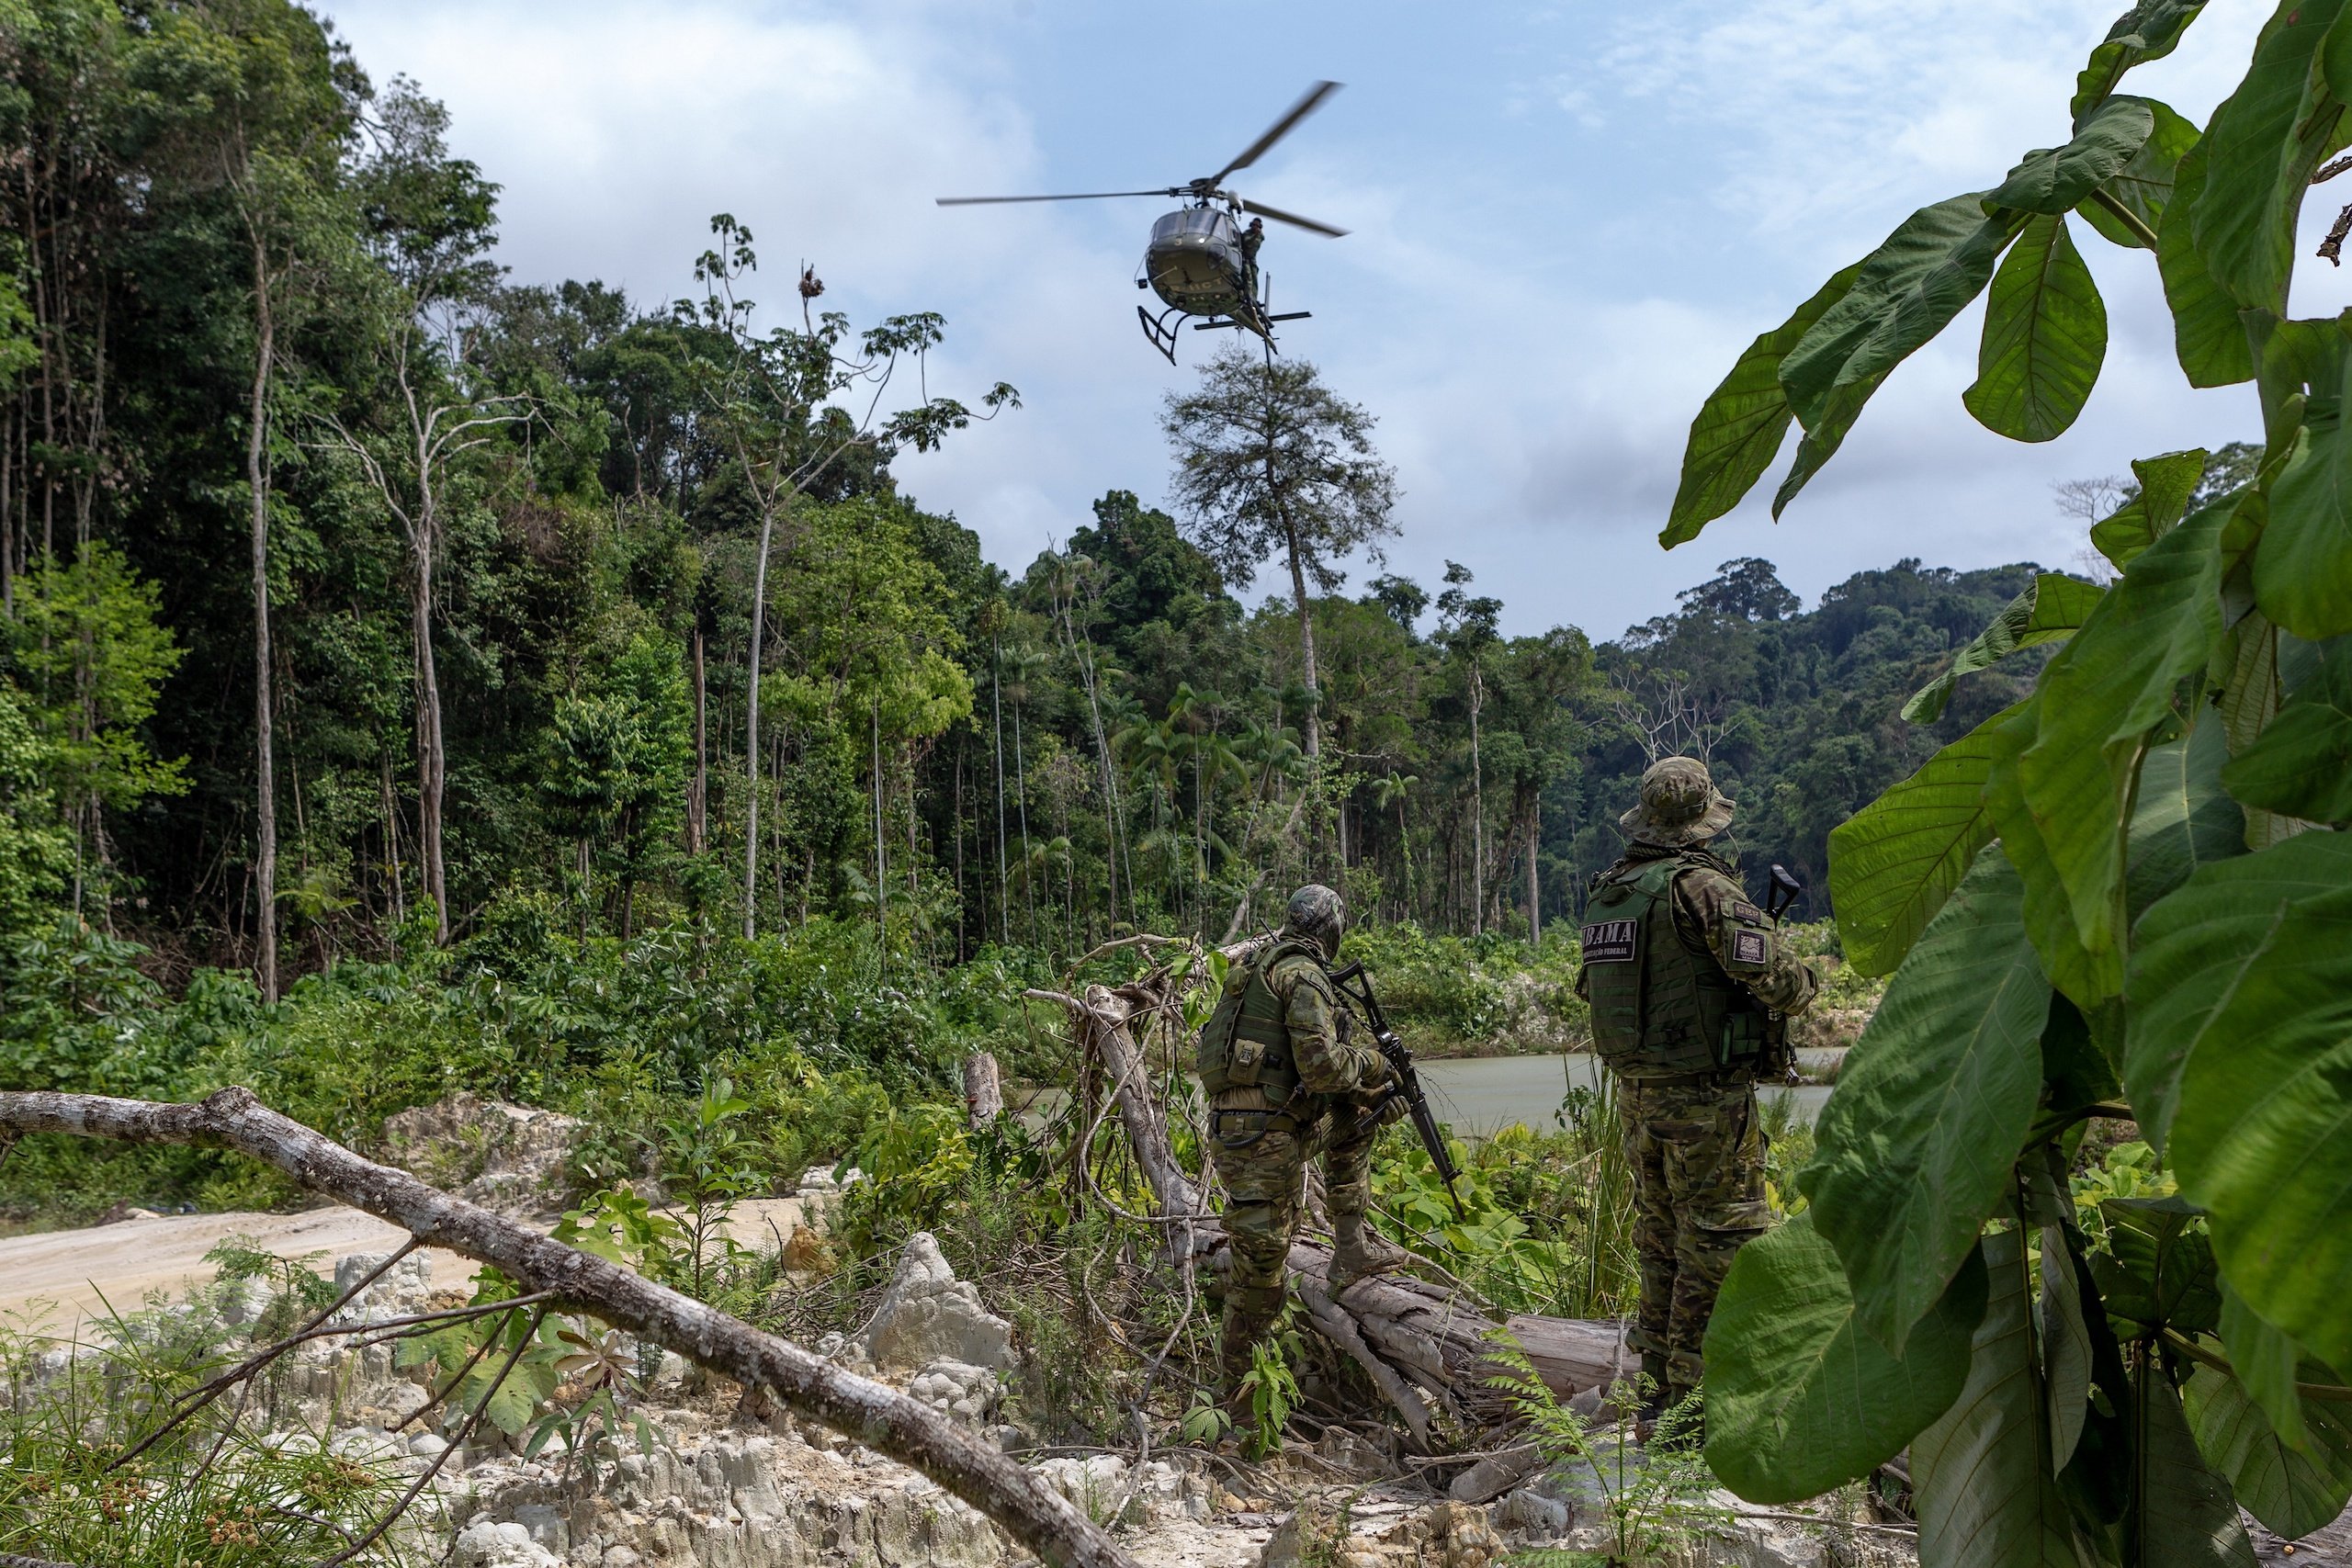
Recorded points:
(1428,1348)
(886,1421)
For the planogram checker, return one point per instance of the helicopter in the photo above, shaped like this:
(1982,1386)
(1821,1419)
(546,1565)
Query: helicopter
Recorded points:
(1200,261)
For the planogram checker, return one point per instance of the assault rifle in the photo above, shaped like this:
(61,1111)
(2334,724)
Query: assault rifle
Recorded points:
(1356,986)
(1785,891)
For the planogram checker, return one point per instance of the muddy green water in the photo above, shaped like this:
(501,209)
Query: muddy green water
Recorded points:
(1482,1095)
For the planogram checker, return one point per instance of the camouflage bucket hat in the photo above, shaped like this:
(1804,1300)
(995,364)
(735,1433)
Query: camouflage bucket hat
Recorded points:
(1316,914)
(1680,805)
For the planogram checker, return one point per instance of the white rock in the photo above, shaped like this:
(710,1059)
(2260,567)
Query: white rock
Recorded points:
(486,1545)
(929,1315)
(1531,1513)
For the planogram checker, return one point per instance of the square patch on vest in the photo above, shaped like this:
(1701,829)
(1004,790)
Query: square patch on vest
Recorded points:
(1611,942)
(1749,947)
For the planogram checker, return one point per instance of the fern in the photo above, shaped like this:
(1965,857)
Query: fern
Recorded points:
(1658,1497)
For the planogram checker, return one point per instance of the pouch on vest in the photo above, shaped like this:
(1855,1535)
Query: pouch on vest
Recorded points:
(1246,1042)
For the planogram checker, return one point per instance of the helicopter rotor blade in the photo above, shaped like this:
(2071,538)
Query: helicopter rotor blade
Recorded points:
(1082,195)
(1305,105)
(1293,219)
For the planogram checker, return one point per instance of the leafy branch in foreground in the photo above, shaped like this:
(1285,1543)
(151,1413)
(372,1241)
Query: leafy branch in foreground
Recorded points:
(2128,895)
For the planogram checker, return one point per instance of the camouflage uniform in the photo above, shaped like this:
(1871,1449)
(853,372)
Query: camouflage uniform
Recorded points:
(1248,241)
(1692,1135)
(1262,1139)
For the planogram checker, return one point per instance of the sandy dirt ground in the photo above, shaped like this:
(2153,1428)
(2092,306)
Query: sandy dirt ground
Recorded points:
(56,1280)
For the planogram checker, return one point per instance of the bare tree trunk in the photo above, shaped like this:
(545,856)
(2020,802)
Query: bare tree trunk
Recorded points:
(752,730)
(264,761)
(881,860)
(983,1090)
(1477,810)
(699,790)
(890,1423)
(996,698)
(430,762)
(392,844)
(1534,890)
(1305,637)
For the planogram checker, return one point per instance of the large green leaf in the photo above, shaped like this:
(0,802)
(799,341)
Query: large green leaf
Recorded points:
(2245,668)
(1740,427)
(1892,862)
(2074,1070)
(2261,147)
(2158,499)
(2293,1493)
(2303,566)
(2144,187)
(2183,819)
(2301,765)
(2051,609)
(1914,1149)
(2149,30)
(2066,1348)
(2267,1363)
(1799,1401)
(2262,1136)
(2045,337)
(2053,181)
(2090,978)
(1906,292)
(2101,696)
(2184,1516)
(2208,338)
(2192,949)
(2157,1271)
(1986,1492)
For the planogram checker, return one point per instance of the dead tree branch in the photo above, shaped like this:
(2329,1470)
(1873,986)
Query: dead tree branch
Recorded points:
(1427,1349)
(887,1422)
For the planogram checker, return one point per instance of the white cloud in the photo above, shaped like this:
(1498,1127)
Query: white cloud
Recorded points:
(1554,255)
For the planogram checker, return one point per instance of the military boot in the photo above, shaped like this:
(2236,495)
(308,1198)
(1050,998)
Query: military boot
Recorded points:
(1250,1312)
(1357,1253)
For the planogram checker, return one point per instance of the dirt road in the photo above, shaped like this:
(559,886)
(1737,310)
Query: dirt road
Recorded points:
(56,1280)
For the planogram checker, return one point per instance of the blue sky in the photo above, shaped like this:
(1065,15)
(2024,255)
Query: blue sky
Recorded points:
(1567,219)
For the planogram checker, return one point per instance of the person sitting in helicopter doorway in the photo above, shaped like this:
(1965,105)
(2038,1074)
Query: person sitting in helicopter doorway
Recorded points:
(1250,240)
(1284,1080)
(1691,985)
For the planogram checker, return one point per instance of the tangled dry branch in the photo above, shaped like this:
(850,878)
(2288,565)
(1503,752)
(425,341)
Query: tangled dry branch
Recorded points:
(1425,1347)
(888,1422)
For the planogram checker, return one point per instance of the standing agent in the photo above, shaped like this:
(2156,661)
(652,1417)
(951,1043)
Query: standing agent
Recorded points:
(1690,985)
(1284,1080)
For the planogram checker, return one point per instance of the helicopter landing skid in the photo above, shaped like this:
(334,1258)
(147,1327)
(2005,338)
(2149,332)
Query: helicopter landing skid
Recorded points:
(1157,330)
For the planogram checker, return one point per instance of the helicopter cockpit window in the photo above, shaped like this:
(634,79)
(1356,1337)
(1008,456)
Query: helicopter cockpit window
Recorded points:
(1202,222)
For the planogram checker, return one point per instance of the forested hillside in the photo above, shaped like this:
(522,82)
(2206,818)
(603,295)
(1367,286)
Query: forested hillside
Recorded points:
(349,581)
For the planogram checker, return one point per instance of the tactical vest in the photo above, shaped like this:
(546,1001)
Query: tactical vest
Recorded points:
(1659,1009)
(1246,1042)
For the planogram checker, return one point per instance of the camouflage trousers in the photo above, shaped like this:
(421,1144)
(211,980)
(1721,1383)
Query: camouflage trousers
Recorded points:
(1697,1156)
(1264,1172)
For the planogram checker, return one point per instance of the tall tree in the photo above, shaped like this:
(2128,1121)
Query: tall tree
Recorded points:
(431,218)
(1467,630)
(1270,461)
(786,407)
(268,116)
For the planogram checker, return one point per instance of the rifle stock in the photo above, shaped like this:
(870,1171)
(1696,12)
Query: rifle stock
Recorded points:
(1356,986)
